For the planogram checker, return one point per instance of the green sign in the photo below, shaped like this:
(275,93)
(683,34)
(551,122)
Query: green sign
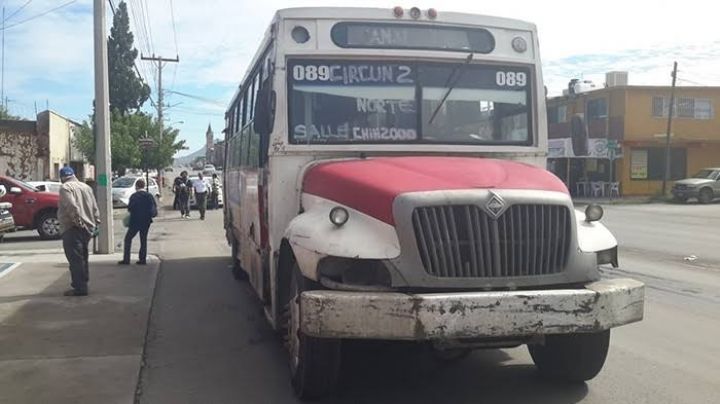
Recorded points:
(102,180)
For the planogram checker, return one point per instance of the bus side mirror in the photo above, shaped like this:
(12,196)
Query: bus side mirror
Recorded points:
(264,109)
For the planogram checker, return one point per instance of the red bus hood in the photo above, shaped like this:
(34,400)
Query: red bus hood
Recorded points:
(371,185)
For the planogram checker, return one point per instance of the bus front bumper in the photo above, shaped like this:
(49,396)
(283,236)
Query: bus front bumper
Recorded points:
(439,316)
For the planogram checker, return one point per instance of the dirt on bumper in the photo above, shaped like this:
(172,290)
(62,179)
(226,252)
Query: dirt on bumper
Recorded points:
(400,316)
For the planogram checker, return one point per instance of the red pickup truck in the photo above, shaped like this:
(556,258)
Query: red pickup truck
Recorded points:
(32,209)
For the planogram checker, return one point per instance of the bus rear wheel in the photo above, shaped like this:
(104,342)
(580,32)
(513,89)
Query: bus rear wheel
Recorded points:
(237,271)
(314,362)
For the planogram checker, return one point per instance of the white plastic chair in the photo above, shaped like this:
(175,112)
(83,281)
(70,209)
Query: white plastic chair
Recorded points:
(598,188)
(614,189)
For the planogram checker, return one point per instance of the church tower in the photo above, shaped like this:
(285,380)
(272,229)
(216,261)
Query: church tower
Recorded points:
(209,145)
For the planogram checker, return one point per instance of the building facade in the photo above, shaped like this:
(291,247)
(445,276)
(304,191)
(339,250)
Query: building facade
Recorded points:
(21,154)
(617,134)
(36,150)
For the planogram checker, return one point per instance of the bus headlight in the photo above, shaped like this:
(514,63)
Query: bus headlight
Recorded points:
(519,44)
(339,216)
(593,212)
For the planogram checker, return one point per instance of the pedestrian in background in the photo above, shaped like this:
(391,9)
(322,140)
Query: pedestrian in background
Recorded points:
(200,187)
(214,191)
(142,209)
(176,199)
(79,216)
(184,187)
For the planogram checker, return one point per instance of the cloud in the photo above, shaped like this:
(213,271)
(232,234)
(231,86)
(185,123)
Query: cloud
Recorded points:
(51,57)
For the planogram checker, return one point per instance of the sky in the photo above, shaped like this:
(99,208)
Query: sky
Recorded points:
(48,58)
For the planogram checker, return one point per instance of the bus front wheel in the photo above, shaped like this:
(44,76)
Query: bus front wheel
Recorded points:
(314,362)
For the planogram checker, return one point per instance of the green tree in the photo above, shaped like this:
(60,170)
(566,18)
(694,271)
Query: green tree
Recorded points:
(5,114)
(127,91)
(126,131)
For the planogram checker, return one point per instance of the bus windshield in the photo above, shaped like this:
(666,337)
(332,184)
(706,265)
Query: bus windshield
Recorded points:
(340,102)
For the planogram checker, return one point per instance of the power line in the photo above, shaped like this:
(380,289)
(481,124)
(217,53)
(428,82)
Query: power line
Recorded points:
(692,82)
(143,4)
(40,15)
(18,10)
(197,97)
(144,44)
(172,17)
(140,28)
(177,49)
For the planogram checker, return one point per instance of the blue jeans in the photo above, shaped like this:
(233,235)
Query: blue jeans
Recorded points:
(133,230)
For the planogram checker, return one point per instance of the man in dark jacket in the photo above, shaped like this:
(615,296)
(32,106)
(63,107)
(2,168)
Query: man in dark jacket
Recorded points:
(183,188)
(142,208)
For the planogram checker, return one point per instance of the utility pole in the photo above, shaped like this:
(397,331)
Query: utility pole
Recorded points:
(2,75)
(666,177)
(160,64)
(103,166)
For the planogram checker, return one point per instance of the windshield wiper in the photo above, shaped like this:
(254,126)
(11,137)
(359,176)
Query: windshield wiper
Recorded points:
(450,83)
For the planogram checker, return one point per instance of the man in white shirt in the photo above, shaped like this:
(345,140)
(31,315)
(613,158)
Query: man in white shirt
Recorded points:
(201,191)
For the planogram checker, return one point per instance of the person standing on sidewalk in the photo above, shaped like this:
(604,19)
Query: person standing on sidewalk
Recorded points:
(143,209)
(183,187)
(176,200)
(79,216)
(201,191)
(214,192)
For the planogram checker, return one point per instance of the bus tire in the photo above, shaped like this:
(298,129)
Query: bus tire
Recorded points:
(572,357)
(238,273)
(314,362)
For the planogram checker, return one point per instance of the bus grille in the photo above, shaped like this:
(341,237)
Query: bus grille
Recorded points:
(463,241)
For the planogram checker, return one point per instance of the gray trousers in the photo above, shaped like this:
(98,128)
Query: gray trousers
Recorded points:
(75,244)
(201,200)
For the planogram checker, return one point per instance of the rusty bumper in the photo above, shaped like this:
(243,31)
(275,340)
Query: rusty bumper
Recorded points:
(400,316)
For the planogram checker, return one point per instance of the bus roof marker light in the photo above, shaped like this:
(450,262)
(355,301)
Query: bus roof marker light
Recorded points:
(432,13)
(300,34)
(415,13)
(519,44)
(398,11)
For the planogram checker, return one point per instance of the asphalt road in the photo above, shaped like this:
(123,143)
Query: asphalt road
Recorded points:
(208,340)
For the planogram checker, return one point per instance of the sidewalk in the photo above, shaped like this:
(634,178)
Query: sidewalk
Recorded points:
(71,349)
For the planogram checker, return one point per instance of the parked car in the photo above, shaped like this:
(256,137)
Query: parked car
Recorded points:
(193,202)
(124,187)
(7,223)
(705,186)
(31,208)
(46,186)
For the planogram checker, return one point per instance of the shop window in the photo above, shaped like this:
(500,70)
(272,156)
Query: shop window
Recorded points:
(649,163)
(557,114)
(685,107)
(597,109)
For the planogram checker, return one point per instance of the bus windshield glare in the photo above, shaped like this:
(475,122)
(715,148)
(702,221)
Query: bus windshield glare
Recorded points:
(340,102)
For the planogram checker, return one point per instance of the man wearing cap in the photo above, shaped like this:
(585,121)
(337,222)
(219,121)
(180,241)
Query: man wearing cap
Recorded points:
(79,216)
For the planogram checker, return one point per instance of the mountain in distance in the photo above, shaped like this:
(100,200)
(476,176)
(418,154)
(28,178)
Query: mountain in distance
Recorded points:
(185,160)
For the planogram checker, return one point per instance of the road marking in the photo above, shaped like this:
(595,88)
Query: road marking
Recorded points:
(7,267)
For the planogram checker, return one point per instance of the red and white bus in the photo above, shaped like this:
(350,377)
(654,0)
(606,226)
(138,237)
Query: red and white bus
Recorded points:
(384,179)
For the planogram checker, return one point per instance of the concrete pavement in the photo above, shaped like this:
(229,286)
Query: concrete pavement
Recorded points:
(72,349)
(208,340)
